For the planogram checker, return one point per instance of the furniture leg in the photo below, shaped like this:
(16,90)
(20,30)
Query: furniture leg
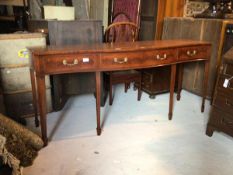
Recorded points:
(110,92)
(42,106)
(98,93)
(34,96)
(172,87)
(126,87)
(180,80)
(205,85)
(140,88)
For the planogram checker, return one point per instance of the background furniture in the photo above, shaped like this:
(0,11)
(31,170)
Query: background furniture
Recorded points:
(15,77)
(221,116)
(70,33)
(203,30)
(122,32)
(155,80)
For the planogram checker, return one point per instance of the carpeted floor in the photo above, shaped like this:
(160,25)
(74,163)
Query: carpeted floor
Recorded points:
(137,139)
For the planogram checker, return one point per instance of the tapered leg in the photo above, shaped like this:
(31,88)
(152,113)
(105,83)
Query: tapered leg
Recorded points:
(34,96)
(180,80)
(110,93)
(98,93)
(205,85)
(126,87)
(140,89)
(42,106)
(172,87)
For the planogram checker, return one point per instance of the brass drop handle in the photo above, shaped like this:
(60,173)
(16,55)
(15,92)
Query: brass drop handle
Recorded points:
(121,61)
(70,64)
(191,53)
(163,57)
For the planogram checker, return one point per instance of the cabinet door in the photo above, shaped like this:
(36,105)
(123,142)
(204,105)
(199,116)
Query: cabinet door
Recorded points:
(148,19)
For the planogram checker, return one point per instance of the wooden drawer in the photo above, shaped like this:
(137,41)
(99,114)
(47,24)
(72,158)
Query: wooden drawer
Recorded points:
(160,57)
(147,77)
(67,63)
(189,53)
(122,60)
(224,103)
(221,121)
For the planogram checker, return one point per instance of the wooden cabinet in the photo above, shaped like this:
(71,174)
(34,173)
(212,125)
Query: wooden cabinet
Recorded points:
(155,81)
(196,29)
(221,116)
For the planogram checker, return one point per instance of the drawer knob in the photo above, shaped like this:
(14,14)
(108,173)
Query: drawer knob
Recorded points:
(163,57)
(191,53)
(65,63)
(121,61)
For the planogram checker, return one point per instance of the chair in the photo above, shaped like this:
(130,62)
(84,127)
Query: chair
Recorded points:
(122,32)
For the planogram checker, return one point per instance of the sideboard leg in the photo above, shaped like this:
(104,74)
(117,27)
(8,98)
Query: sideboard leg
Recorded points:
(98,92)
(42,106)
(180,81)
(205,85)
(172,87)
(34,96)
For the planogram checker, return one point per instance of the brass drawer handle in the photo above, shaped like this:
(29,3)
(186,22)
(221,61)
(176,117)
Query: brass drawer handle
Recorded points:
(121,61)
(228,103)
(164,57)
(70,64)
(191,53)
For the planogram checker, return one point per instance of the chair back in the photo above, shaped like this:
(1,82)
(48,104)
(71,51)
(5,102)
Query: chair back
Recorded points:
(121,32)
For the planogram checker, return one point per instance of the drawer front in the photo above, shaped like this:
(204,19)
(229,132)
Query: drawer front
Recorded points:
(189,53)
(225,91)
(127,60)
(146,77)
(67,63)
(224,103)
(221,120)
(160,57)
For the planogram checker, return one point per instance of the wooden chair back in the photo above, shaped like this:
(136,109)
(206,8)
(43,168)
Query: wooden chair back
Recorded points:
(121,32)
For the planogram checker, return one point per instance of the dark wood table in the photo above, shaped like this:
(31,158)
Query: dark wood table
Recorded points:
(109,57)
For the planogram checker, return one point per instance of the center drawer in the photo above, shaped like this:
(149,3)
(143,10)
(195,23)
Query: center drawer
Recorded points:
(189,53)
(123,60)
(67,63)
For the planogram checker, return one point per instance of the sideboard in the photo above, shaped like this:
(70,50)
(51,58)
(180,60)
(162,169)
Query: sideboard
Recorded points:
(102,57)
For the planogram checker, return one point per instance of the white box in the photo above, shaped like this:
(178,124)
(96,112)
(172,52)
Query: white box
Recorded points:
(59,12)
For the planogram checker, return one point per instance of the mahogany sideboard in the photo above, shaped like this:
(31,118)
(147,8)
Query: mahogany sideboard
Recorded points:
(102,57)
